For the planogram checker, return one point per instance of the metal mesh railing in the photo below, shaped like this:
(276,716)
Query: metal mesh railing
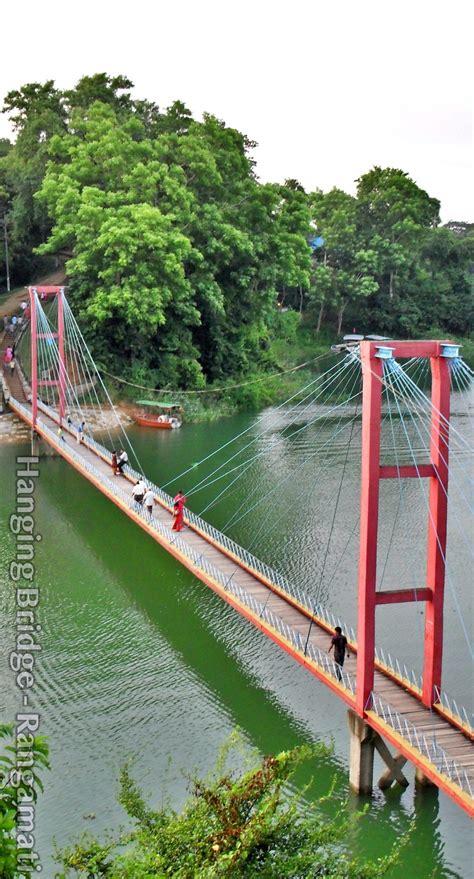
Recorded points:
(457,711)
(425,744)
(398,668)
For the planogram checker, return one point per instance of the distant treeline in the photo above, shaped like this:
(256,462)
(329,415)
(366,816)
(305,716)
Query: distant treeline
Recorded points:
(178,257)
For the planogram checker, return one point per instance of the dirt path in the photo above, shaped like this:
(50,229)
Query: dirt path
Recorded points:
(11,304)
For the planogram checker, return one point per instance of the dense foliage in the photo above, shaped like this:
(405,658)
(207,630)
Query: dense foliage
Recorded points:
(233,825)
(18,792)
(178,257)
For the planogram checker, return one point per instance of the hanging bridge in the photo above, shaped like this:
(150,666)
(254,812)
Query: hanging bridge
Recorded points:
(55,375)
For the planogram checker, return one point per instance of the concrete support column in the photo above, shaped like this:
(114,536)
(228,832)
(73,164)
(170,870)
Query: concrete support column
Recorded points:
(35,444)
(362,744)
(422,780)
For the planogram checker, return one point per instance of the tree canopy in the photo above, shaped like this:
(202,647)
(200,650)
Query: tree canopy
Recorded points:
(178,256)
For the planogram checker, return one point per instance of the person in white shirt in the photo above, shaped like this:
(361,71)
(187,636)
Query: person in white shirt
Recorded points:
(122,460)
(148,501)
(138,491)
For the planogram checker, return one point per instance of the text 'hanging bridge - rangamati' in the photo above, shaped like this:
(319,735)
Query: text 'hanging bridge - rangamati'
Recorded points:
(55,385)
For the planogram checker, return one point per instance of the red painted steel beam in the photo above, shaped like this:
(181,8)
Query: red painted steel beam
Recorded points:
(396,596)
(403,349)
(42,289)
(372,372)
(62,362)
(437,527)
(34,357)
(406,472)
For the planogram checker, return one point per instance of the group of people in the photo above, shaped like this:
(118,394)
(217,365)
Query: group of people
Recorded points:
(144,497)
(118,462)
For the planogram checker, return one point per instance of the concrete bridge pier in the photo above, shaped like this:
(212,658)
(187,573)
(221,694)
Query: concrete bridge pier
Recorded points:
(363,743)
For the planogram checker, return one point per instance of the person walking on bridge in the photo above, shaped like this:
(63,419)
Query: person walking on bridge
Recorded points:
(178,511)
(138,493)
(121,461)
(148,501)
(8,356)
(339,642)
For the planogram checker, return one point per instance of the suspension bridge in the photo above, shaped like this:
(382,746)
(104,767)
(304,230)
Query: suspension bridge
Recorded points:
(55,385)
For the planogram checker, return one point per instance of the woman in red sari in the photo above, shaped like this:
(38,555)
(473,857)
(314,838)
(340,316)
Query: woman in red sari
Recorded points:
(179,502)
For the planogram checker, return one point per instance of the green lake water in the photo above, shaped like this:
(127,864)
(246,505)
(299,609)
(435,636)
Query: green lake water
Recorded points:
(140,659)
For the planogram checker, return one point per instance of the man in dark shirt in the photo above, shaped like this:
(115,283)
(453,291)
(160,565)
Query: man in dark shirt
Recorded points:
(339,642)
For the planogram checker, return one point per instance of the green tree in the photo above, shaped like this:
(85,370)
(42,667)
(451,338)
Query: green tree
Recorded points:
(17,794)
(232,825)
(36,112)
(344,267)
(394,217)
(178,251)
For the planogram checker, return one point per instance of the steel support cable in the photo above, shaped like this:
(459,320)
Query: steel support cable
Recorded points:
(52,349)
(454,513)
(425,406)
(426,425)
(394,374)
(312,489)
(425,399)
(336,566)
(40,357)
(461,383)
(399,395)
(43,322)
(44,352)
(333,522)
(422,413)
(422,397)
(233,520)
(425,420)
(251,461)
(88,379)
(285,479)
(400,492)
(117,418)
(414,390)
(448,575)
(282,482)
(401,504)
(204,481)
(326,386)
(224,388)
(251,427)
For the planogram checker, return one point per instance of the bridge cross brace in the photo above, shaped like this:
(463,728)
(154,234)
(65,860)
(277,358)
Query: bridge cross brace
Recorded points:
(364,741)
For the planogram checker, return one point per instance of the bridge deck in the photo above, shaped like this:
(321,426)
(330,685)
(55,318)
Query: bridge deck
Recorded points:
(427,738)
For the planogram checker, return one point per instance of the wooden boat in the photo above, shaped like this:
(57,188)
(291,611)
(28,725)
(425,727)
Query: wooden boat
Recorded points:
(163,416)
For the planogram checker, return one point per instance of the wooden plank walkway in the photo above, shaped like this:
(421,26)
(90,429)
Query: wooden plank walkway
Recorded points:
(427,738)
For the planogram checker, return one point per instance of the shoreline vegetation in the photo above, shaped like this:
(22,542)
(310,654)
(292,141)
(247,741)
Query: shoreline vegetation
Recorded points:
(187,272)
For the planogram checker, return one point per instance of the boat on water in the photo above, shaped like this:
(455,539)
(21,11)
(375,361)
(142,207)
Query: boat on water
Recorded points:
(163,416)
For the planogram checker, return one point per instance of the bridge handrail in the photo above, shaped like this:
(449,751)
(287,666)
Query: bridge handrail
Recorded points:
(457,711)
(318,656)
(244,555)
(426,745)
(398,668)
